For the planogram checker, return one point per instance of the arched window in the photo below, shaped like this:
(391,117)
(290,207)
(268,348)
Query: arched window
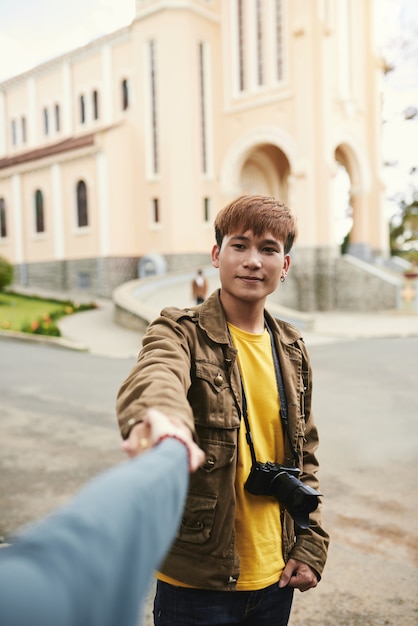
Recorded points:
(279,26)
(241,45)
(125,94)
(260,41)
(14,133)
(57,118)
(95,105)
(3,219)
(23,122)
(82,110)
(155,210)
(46,121)
(206,209)
(39,212)
(82,209)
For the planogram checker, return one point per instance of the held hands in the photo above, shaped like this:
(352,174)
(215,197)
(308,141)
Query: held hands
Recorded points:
(298,575)
(154,428)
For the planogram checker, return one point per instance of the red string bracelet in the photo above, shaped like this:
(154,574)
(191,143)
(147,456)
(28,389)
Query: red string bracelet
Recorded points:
(160,439)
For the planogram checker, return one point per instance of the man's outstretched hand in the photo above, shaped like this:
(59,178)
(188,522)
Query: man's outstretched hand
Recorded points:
(157,426)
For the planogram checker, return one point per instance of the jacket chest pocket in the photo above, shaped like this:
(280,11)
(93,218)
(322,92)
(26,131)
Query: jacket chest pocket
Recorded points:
(212,398)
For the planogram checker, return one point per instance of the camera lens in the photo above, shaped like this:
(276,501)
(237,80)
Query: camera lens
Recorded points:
(284,487)
(297,501)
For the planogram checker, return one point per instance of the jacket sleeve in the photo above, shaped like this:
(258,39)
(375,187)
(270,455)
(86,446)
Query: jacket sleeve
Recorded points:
(92,561)
(160,378)
(311,544)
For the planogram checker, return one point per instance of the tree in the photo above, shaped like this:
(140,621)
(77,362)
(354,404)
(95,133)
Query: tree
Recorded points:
(399,23)
(6,273)
(404,230)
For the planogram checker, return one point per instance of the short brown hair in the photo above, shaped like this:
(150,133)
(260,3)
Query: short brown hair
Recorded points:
(260,214)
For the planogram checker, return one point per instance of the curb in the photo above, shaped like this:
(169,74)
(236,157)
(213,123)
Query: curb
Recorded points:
(57,342)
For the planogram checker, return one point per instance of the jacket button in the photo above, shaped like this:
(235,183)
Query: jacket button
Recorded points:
(218,380)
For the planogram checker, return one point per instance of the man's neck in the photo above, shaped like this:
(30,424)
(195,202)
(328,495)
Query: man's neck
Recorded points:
(248,316)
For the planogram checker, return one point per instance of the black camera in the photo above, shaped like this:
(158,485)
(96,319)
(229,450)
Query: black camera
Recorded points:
(270,479)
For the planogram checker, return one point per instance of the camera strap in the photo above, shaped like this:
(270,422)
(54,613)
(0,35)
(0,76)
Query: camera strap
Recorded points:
(282,394)
(248,434)
(283,402)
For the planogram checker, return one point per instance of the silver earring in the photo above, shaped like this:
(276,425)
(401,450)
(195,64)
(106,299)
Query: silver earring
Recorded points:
(283,278)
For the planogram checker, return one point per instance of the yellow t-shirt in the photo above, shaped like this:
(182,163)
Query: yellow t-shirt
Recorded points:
(258,529)
(257,519)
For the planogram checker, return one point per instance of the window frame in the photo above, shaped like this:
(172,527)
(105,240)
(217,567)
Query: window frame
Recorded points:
(82,109)
(45,115)
(125,89)
(57,116)
(39,215)
(95,103)
(3,219)
(82,208)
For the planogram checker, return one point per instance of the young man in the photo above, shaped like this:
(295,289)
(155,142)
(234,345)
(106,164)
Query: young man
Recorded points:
(241,380)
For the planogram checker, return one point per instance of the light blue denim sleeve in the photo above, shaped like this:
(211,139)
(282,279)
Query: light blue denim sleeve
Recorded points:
(91,562)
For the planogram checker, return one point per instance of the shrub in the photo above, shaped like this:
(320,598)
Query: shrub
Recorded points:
(36,315)
(6,273)
(45,325)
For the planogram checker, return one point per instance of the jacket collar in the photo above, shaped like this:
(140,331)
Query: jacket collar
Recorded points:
(212,318)
(213,321)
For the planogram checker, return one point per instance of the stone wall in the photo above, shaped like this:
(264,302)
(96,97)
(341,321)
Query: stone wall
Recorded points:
(97,277)
(50,276)
(309,284)
(360,286)
(186,262)
(318,280)
(130,319)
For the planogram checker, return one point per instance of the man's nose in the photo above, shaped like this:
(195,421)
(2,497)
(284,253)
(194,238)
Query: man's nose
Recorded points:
(253,258)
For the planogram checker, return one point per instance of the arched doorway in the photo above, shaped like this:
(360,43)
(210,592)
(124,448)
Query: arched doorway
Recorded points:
(265,171)
(350,207)
(260,161)
(342,211)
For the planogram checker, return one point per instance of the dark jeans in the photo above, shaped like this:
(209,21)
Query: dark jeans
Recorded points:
(178,606)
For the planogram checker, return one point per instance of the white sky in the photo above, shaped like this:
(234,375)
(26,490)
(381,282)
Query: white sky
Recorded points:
(33,31)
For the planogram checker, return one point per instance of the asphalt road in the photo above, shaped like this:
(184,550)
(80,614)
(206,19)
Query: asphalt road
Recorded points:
(58,428)
(58,425)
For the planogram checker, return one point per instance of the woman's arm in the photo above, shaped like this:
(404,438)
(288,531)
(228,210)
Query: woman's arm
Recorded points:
(92,561)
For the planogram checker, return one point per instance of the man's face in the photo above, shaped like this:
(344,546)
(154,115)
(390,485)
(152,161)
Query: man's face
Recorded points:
(250,267)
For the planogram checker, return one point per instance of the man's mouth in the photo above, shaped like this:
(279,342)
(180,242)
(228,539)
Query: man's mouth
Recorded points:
(250,279)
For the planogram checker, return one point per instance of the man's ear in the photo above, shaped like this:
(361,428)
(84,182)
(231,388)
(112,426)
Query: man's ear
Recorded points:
(215,256)
(286,264)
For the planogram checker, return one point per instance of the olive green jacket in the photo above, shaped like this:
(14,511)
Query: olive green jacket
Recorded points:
(188,368)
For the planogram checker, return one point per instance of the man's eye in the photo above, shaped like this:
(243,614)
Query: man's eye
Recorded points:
(269,250)
(238,246)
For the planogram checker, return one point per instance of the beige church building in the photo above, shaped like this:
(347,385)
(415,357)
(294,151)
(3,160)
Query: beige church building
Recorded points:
(115,157)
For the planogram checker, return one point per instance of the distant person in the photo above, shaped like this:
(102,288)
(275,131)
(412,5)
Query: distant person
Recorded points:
(251,531)
(91,562)
(199,287)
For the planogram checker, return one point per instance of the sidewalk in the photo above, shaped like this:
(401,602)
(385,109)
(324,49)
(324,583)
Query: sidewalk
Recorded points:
(99,334)
(96,332)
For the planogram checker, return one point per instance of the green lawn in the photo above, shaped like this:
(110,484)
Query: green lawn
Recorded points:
(33,314)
